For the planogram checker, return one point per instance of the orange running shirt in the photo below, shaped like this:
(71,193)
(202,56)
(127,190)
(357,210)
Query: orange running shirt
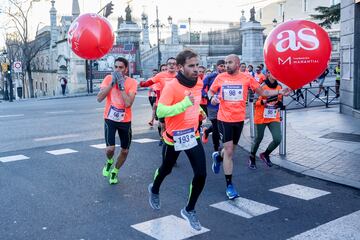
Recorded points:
(233,95)
(267,113)
(260,78)
(162,78)
(114,100)
(173,93)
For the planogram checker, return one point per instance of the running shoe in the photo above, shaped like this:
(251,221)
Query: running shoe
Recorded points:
(154,199)
(106,169)
(215,167)
(113,176)
(252,163)
(151,123)
(191,218)
(266,159)
(160,142)
(204,137)
(231,192)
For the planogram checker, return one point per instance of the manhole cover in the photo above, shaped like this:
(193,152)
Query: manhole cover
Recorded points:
(343,136)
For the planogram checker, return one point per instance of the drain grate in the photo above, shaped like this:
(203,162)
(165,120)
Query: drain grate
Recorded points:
(350,137)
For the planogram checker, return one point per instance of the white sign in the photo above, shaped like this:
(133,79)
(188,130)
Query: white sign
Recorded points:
(17,67)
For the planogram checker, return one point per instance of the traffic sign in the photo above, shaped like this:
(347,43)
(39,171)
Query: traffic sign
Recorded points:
(17,67)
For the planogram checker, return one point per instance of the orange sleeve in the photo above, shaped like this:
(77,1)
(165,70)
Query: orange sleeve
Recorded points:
(106,82)
(216,84)
(253,84)
(167,95)
(133,87)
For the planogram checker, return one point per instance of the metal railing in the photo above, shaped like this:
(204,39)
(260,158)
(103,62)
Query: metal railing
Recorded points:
(310,97)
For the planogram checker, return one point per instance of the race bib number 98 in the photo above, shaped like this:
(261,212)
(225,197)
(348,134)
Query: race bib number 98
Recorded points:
(232,93)
(184,139)
(270,112)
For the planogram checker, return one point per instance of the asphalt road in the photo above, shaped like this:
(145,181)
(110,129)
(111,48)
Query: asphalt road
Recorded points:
(47,196)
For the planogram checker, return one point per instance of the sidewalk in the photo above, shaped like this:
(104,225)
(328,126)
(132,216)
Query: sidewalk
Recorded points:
(320,142)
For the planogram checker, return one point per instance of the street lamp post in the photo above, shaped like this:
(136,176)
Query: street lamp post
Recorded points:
(158,36)
(189,19)
(11,94)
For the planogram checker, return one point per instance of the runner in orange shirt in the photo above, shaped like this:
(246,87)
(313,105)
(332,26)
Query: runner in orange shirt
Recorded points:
(267,115)
(233,86)
(179,104)
(152,98)
(161,78)
(259,77)
(119,91)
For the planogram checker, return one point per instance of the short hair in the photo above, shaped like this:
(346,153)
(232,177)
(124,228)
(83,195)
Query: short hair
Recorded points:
(261,65)
(202,67)
(250,66)
(185,54)
(162,65)
(155,70)
(123,60)
(220,62)
(243,63)
(171,58)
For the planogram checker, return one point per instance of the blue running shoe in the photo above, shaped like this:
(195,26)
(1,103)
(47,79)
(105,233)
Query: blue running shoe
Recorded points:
(191,218)
(216,163)
(231,192)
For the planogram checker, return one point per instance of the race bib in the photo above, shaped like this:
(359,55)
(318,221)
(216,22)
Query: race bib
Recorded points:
(184,139)
(270,112)
(115,114)
(232,93)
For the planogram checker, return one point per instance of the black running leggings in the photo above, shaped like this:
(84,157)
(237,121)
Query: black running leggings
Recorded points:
(215,136)
(197,160)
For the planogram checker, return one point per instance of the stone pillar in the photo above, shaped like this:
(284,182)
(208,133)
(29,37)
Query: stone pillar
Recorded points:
(174,34)
(252,43)
(350,58)
(145,33)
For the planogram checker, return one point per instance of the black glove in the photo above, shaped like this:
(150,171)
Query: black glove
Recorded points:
(279,104)
(272,98)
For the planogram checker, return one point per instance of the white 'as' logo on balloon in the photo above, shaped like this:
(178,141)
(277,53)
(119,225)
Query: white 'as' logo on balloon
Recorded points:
(290,42)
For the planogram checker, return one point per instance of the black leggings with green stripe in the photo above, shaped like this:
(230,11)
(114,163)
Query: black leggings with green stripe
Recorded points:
(197,159)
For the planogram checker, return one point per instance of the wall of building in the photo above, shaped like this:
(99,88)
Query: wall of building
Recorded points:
(350,58)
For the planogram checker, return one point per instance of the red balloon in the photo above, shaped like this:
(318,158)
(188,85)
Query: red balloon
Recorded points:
(90,36)
(297,52)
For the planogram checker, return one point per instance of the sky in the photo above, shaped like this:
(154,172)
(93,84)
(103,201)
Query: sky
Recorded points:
(225,10)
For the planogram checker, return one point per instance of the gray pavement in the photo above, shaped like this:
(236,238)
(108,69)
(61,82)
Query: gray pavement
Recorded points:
(321,142)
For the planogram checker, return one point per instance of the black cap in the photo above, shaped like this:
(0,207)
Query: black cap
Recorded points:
(219,62)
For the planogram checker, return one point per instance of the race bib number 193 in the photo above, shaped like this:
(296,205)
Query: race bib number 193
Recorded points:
(184,139)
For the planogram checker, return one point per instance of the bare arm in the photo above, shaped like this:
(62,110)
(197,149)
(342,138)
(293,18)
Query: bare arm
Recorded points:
(269,93)
(103,93)
(128,98)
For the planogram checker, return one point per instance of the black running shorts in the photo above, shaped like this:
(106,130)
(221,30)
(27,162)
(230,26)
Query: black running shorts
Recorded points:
(230,131)
(124,131)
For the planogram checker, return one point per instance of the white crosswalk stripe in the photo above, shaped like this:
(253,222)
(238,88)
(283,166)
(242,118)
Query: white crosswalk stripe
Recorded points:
(145,140)
(244,207)
(13,158)
(344,228)
(299,191)
(101,146)
(62,151)
(169,227)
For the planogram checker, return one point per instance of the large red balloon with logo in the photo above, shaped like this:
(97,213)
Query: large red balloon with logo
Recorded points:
(90,36)
(297,52)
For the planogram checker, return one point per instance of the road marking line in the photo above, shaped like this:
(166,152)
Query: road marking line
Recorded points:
(169,227)
(62,151)
(13,158)
(57,112)
(299,191)
(102,146)
(144,140)
(14,115)
(244,207)
(343,228)
(56,137)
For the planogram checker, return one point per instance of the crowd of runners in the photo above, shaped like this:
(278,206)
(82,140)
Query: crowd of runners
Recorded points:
(184,96)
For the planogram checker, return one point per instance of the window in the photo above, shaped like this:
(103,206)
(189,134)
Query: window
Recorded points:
(305,5)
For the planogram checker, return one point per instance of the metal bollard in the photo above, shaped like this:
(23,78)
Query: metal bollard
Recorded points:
(251,106)
(282,147)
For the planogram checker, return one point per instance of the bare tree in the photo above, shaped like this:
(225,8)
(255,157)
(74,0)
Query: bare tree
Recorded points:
(18,13)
